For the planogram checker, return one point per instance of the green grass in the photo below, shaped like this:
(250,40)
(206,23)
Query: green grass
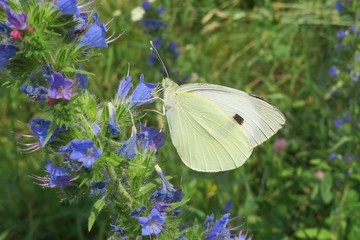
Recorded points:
(277,50)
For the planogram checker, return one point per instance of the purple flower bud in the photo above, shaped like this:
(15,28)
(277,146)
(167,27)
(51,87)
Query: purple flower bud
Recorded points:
(209,221)
(113,123)
(98,188)
(166,193)
(16,20)
(137,212)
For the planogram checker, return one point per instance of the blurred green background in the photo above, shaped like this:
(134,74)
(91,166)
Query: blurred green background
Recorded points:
(280,50)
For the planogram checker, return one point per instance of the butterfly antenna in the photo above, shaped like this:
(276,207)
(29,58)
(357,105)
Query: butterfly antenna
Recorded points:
(153,49)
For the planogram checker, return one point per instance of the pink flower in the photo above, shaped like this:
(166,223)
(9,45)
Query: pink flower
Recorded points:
(280,144)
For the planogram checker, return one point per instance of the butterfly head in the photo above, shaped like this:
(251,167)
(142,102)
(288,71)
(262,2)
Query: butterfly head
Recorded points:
(167,83)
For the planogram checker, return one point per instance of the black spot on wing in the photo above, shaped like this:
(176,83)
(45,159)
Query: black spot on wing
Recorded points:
(238,119)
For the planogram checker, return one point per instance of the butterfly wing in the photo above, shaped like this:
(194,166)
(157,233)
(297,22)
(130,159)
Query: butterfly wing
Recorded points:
(258,118)
(206,137)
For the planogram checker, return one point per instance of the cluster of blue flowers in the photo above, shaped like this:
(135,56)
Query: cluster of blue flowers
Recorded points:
(345,74)
(86,143)
(154,26)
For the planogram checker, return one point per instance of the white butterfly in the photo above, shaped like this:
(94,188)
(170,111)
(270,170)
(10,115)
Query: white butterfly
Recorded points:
(215,128)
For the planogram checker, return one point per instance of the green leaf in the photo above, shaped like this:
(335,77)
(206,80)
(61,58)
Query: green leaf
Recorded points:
(98,206)
(325,188)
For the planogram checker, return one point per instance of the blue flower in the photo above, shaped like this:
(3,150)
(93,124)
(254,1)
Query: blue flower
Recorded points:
(143,93)
(83,22)
(152,60)
(16,20)
(95,35)
(355,77)
(6,52)
(152,24)
(209,221)
(219,231)
(81,80)
(113,124)
(166,193)
(98,188)
(124,87)
(149,138)
(37,94)
(332,156)
(129,147)
(174,49)
(161,10)
(4,29)
(137,212)
(339,6)
(68,7)
(334,71)
(152,224)
(146,5)
(96,129)
(61,87)
(41,127)
(228,206)
(339,123)
(341,34)
(161,207)
(4,4)
(59,177)
(158,42)
(83,151)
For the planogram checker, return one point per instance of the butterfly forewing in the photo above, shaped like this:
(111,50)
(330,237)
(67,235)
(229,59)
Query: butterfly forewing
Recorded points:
(258,118)
(206,137)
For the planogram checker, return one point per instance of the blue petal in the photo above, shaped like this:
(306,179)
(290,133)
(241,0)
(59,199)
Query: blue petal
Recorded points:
(81,80)
(95,36)
(16,20)
(68,7)
(124,87)
(6,52)
(143,93)
(129,147)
